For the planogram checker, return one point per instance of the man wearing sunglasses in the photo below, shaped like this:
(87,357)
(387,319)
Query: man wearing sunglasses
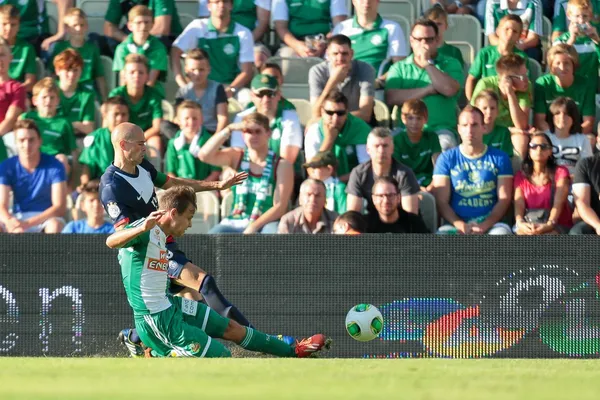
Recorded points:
(434,78)
(286,132)
(355,79)
(338,131)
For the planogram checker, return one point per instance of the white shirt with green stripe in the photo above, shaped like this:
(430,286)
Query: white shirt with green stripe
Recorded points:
(311,16)
(530,12)
(227,50)
(382,42)
(144,267)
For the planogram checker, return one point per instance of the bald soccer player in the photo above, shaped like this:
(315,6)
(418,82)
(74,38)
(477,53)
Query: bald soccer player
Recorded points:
(127,193)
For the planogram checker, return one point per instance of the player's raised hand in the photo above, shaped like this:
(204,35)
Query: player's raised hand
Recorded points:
(152,219)
(236,179)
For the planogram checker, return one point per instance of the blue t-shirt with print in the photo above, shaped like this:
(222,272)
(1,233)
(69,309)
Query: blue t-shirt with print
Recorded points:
(474,181)
(82,226)
(32,192)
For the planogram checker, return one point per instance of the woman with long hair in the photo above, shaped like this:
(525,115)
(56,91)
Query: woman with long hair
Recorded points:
(569,143)
(541,190)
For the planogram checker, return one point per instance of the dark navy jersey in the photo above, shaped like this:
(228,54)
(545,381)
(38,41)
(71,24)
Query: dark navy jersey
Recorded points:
(126,197)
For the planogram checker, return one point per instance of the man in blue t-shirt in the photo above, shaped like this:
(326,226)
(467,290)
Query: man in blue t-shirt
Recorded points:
(92,207)
(473,183)
(38,185)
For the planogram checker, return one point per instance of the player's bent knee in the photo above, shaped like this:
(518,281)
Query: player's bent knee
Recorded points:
(234,332)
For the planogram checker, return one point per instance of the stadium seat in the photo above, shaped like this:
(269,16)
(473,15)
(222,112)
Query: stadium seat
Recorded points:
(382,113)
(109,75)
(40,69)
(97,115)
(405,24)
(295,70)
(170,85)
(52,13)
(95,11)
(428,211)
(189,7)
(464,28)
(467,50)
(233,108)
(168,111)
(207,214)
(226,204)
(535,69)
(304,110)
(407,8)
(186,18)
(52,24)
(394,116)
(546,38)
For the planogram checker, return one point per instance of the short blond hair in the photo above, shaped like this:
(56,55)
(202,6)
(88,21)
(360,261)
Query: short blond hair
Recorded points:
(139,11)
(562,48)
(487,94)
(188,105)
(76,12)
(10,11)
(580,4)
(259,119)
(134,58)
(415,107)
(45,84)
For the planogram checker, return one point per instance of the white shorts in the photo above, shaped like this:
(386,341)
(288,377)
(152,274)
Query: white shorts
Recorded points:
(37,228)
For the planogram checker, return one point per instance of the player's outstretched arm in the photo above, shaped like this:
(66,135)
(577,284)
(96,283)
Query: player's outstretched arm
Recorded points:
(124,236)
(201,186)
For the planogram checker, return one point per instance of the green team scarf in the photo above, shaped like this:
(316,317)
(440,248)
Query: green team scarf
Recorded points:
(242,191)
(354,132)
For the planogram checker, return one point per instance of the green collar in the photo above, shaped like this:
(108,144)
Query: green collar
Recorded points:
(230,28)
(376,24)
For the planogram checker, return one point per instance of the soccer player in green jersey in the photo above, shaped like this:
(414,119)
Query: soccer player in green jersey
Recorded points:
(174,326)
(77,104)
(92,73)
(23,66)
(493,135)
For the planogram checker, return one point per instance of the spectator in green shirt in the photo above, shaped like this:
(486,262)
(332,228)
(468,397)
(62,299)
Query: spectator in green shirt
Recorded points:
(140,41)
(77,104)
(484,65)
(92,74)
(493,135)
(23,65)
(98,152)
(322,167)
(562,81)
(440,17)
(57,135)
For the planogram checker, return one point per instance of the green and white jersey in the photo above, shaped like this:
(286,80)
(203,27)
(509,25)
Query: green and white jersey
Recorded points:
(144,268)
(484,64)
(98,152)
(57,133)
(23,61)
(118,10)
(525,99)
(92,65)
(499,138)
(285,130)
(589,55)
(244,11)
(167,8)
(449,50)
(581,91)
(335,195)
(417,156)
(406,74)
(34,18)
(181,163)
(530,12)
(80,107)
(147,109)
(560,22)
(383,41)
(227,51)
(154,50)
(308,17)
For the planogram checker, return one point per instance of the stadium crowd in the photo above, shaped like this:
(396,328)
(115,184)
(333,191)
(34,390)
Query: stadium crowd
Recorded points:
(348,117)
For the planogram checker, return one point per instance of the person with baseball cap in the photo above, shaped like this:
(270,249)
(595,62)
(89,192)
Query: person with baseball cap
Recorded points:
(322,167)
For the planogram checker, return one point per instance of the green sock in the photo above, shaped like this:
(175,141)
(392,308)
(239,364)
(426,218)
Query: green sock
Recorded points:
(258,341)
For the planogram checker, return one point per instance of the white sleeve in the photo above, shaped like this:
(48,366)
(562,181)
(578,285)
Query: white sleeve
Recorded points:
(361,153)
(280,11)
(203,9)
(489,26)
(337,29)
(264,4)
(312,142)
(189,37)
(338,7)
(291,130)
(236,136)
(246,45)
(396,41)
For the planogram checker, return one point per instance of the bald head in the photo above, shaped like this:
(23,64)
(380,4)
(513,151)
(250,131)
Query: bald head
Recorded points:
(126,131)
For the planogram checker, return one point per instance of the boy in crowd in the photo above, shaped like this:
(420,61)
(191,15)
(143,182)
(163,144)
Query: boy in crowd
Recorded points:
(98,152)
(76,102)
(140,41)
(144,102)
(179,160)
(23,65)
(92,73)
(496,136)
(508,32)
(414,147)
(56,131)
(94,214)
(322,168)
(440,17)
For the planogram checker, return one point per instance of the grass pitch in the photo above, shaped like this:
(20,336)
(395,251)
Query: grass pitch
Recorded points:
(268,378)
